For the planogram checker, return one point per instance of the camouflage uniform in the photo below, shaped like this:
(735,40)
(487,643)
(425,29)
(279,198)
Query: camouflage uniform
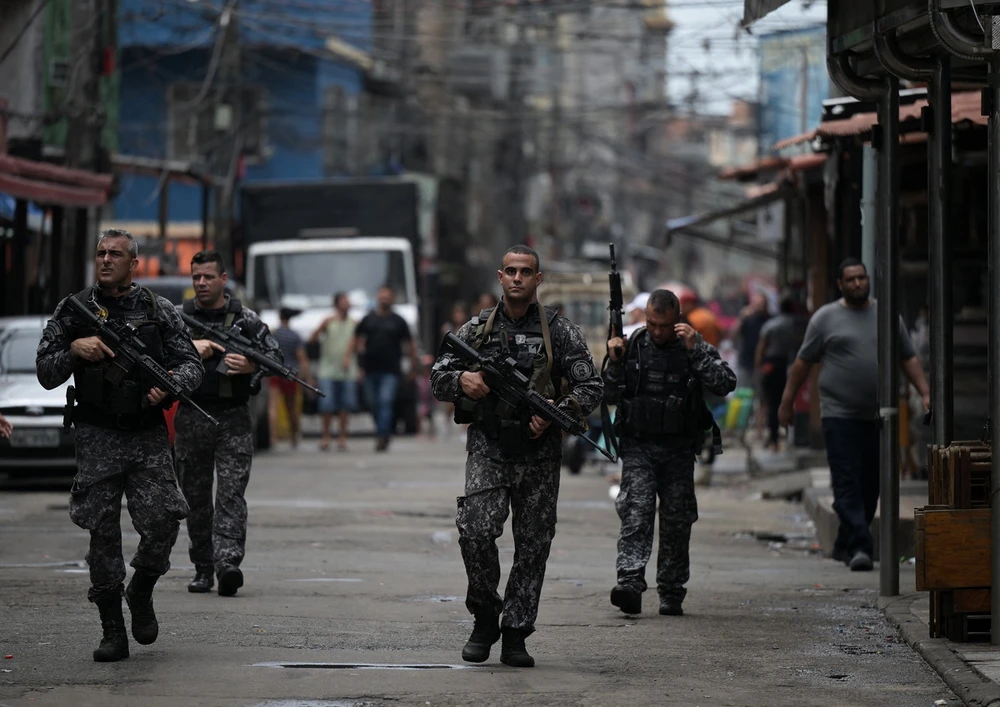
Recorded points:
(218,534)
(522,477)
(660,464)
(122,453)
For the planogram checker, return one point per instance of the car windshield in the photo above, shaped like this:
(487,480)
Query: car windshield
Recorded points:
(17,351)
(313,278)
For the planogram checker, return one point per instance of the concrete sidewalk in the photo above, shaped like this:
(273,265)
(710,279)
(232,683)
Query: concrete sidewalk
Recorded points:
(971,670)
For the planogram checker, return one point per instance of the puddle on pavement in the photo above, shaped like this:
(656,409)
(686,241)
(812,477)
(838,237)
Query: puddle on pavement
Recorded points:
(368,666)
(327,579)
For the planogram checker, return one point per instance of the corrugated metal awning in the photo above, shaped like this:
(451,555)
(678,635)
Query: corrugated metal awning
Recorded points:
(51,184)
(966,107)
(754,10)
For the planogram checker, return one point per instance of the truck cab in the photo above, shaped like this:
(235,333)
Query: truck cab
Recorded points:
(305,274)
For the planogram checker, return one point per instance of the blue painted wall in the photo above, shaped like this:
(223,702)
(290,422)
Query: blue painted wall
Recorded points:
(786,59)
(165,42)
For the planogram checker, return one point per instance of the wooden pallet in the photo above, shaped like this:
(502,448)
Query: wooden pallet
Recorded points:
(953,539)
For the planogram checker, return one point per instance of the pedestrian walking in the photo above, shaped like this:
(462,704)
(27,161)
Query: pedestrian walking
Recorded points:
(843,335)
(513,457)
(221,454)
(658,381)
(776,347)
(121,437)
(293,350)
(338,372)
(380,337)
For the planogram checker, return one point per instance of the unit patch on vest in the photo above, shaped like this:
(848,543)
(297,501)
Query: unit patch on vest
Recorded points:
(581,371)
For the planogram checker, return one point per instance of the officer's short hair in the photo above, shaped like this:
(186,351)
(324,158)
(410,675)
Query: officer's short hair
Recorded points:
(209,256)
(133,245)
(849,263)
(663,302)
(522,249)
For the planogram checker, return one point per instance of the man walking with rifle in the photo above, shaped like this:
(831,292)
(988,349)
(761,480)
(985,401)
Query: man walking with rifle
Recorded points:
(658,380)
(218,531)
(514,454)
(130,358)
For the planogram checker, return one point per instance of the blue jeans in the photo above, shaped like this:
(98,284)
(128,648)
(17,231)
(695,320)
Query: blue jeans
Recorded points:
(380,392)
(340,396)
(852,449)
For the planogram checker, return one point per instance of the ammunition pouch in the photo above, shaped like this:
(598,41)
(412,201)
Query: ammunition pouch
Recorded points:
(102,417)
(509,429)
(654,417)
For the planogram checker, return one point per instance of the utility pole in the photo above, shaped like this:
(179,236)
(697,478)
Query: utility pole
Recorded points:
(555,143)
(516,221)
(85,118)
(402,22)
(228,118)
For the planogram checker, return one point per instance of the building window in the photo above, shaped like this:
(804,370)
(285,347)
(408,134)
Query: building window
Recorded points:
(192,130)
(340,127)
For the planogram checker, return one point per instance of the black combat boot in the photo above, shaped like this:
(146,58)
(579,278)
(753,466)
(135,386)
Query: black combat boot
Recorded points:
(139,595)
(204,580)
(114,645)
(485,633)
(671,607)
(512,650)
(230,579)
(627,599)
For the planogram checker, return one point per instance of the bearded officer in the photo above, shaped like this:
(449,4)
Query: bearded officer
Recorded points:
(514,457)
(206,452)
(121,438)
(658,381)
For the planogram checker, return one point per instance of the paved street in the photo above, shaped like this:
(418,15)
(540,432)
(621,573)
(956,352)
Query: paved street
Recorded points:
(353,573)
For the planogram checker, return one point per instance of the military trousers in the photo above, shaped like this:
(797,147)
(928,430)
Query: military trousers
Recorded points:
(529,492)
(217,530)
(138,465)
(651,471)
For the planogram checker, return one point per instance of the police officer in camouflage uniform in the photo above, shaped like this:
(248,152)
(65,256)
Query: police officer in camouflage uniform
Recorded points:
(218,534)
(514,458)
(121,438)
(657,381)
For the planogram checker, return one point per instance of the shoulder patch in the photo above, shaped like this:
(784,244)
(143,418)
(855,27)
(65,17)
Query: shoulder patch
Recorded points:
(581,370)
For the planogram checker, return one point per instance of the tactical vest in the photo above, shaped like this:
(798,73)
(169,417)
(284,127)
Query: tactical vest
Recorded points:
(124,406)
(526,346)
(217,386)
(661,395)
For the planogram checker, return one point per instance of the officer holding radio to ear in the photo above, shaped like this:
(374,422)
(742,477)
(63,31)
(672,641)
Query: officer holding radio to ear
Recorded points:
(657,380)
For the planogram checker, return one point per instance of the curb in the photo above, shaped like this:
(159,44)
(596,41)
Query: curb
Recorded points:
(964,681)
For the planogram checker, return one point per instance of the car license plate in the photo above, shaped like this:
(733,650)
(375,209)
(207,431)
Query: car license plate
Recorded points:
(34,438)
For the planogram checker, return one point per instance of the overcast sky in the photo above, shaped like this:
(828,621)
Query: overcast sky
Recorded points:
(729,57)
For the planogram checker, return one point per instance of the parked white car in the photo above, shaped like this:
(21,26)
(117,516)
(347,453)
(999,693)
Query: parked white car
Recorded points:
(38,444)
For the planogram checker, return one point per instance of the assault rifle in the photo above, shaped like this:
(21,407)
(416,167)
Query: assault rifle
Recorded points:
(617,325)
(512,387)
(130,354)
(236,343)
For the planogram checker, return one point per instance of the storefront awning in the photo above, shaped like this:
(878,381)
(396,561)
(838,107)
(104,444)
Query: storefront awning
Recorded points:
(966,107)
(754,10)
(766,195)
(691,225)
(49,184)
